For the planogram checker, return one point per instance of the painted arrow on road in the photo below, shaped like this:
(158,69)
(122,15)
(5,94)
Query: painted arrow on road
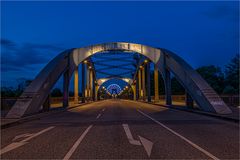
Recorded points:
(142,141)
(27,137)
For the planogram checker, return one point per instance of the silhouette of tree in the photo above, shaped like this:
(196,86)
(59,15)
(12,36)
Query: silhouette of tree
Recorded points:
(177,88)
(56,92)
(214,76)
(232,76)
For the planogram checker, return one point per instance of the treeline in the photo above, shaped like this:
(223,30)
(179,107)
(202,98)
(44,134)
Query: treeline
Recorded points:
(224,81)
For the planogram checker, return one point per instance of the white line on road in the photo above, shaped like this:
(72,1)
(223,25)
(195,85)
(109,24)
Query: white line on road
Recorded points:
(98,115)
(143,141)
(129,135)
(180,136)
(76,144)
(15,145)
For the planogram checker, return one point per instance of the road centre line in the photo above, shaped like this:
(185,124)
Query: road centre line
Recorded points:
(180,136)
(15,145)
(76,144)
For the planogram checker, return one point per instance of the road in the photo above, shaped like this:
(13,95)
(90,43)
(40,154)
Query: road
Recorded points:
(122,129)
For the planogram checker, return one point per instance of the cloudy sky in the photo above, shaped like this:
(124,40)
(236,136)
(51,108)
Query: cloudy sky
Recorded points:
(32,33)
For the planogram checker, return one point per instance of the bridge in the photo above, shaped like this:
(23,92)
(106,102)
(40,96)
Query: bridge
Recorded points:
(110,121)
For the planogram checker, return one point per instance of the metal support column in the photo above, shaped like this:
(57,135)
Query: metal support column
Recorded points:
(134,92)
(91,84)
(76,85)
(168,87)
(96,92)
(167,81)
(188,100)
(65,88)
(148,82)
(87,84)
(46,104)
(139,84)
(156,92)
(143,84)
(83,83)
(137,89)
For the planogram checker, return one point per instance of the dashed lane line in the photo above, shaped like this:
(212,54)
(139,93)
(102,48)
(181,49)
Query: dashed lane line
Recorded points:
(76,144)
(98,115)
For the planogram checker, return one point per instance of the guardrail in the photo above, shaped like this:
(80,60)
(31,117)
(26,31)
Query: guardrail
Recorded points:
(8,102)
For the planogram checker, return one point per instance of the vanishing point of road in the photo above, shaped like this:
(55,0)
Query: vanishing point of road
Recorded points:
(122,129)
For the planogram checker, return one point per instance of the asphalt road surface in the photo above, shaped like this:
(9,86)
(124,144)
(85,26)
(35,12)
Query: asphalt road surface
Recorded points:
(122,129)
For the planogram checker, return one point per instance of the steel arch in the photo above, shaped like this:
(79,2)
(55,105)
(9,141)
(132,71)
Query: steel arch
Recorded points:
(65,63)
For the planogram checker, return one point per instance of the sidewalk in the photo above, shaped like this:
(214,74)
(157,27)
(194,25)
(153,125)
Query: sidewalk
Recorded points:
(7,122)
(235,116)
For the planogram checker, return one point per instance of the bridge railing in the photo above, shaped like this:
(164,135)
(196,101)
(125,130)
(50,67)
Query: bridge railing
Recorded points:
(8,102)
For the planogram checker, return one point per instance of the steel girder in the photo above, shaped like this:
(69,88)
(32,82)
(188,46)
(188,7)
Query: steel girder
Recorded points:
(36,93)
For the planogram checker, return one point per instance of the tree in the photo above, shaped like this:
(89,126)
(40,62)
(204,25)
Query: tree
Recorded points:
(15,92)
(214,76)
(232,76)
(7,92)
(56,92)
(22,85)
(177,88)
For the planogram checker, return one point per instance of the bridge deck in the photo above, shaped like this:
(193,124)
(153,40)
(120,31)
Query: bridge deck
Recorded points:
(122,129)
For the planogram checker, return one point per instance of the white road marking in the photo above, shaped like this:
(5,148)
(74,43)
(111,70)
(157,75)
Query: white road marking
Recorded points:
(147,145)
(98,115)
(129,135)
(76,144)
(22,136)
(15,145)
(143,141)
(182,137)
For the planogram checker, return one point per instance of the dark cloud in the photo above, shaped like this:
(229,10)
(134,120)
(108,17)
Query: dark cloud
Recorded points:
(16,57)
(7,43)
(224,11)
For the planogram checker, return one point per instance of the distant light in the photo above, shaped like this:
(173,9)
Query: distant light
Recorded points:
(126,87)
(85,61)
(140,67)
(90,67)
(145,61)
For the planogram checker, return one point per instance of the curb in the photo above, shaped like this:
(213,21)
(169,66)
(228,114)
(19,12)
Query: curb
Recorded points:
(39,115)
(198,112)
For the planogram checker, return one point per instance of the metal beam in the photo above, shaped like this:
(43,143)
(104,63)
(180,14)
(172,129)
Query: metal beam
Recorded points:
(113,66)
(66,88)
(76,85)
(83,83)
(156,91)
(148,82)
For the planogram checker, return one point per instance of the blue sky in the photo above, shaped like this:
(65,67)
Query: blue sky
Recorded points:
(32,33)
